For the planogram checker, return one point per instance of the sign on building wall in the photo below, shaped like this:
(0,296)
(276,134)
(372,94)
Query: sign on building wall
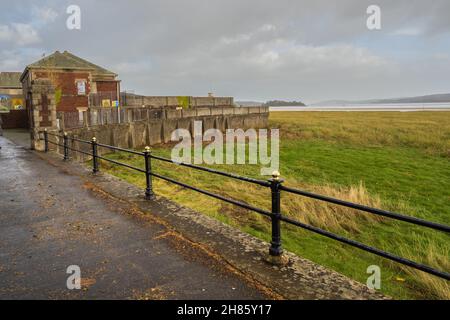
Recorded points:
(106,103)
(17,103)
(81,87)
(4,100)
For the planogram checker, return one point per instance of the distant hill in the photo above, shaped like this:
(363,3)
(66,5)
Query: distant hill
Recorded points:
(271,103)
(433,98)
(249,103)
(281,103)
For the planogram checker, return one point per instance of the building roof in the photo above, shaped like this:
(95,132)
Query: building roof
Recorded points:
(10,80)
(67,60)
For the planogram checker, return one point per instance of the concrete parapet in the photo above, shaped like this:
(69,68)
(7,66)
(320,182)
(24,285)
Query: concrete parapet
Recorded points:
(138,134)
(203,112)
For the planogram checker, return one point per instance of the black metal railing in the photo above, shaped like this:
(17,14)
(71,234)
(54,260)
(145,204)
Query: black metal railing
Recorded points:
(276,187)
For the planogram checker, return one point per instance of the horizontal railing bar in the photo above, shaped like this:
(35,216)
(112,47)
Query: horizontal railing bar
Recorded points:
(122,164)
(120,149)
(235,202)
(364,247)
(226,174)
(348,204)
(288,220)
(52,134)
(81,140)
(61,145)
(384,213)
(80,151)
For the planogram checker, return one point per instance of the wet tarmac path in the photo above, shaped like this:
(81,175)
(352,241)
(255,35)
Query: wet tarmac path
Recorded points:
(50,220)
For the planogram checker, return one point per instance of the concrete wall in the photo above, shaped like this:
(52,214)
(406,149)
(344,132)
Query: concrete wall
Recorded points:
(102,116)
(138,134)
(11,92)
(175,101)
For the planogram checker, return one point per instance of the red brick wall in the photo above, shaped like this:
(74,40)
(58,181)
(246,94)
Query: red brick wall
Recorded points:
(107,87)
(66,81)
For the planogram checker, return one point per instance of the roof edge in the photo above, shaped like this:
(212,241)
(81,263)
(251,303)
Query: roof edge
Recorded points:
(85,65)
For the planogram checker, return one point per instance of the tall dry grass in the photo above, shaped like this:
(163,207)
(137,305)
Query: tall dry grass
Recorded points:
(310,211)
(342,220)
(329,216)
(433,254)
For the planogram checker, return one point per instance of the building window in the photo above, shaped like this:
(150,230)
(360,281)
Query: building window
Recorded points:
(81,110)
(81,87)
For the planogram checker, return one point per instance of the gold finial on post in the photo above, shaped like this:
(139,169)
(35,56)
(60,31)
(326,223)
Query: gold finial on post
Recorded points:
(147,149)
(94,139)
(276,175)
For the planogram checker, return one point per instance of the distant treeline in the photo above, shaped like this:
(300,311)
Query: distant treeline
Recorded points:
(280,103)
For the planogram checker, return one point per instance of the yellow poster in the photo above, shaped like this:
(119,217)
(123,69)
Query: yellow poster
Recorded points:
(106,103)
(17,103)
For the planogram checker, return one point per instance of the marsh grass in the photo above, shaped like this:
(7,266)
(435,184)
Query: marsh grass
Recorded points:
(392,161)
(425,131)
(429,252)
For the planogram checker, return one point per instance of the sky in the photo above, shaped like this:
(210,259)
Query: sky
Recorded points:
(250,49)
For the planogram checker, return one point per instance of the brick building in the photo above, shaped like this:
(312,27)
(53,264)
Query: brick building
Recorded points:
(74,79)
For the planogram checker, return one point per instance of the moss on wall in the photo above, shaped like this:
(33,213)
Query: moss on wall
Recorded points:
(58,94)
(183,101)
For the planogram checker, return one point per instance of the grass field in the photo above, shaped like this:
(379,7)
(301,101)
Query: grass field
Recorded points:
(391,160)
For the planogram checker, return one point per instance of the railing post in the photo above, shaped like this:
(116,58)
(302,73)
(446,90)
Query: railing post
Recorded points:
(66,147)
(94,156)
(45,140)
(148,174)
(275,244)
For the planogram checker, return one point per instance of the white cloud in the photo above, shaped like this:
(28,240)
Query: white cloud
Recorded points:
(268,27)
(19,33)
(5,33)
(10,64)
(25,34)
(10,61)
(133,67)
(44,15)
(245,37)
(411,32)
(281,55)
(269,60)
(441,56)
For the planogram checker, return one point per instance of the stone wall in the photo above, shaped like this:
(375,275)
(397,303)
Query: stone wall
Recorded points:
(42,110)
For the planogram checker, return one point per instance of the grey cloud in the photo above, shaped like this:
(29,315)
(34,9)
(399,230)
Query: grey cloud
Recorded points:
(259,49)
